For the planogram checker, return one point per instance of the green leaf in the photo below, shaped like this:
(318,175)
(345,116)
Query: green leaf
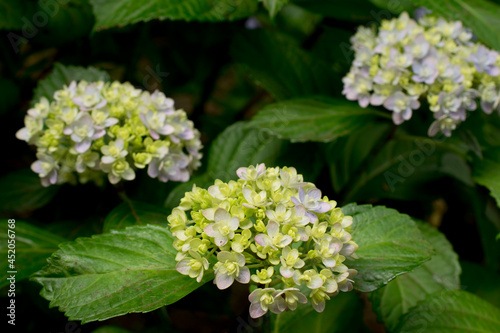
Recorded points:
(132,269)
(12,13)
(63,75)
(482,16)
(451,311)
(313,119)
(278,64)
(488,288)
(134,213)
(274,6)
(22,191)
(346,155)
(337,317)
(390,244)
(404,166)
(110,13)
(486,172)
(33,246)
(404,292)
(238,146)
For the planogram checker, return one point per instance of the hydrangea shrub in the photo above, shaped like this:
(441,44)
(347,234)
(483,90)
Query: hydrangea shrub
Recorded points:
(432,60)
(269,228)
(96,129)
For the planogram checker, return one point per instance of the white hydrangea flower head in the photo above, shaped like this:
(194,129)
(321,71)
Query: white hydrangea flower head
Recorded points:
(268,228)
(96,129)
(432,60)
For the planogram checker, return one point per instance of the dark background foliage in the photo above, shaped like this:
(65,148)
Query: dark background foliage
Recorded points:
(221,73)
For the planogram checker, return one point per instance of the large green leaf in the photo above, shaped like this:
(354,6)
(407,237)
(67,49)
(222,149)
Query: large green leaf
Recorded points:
(346,155)
(33,246)
(482,16)
(22,192)
(278,64)
(405,291)
(63,75)
(451,311)
(110,13)
(390,244)
(486,172)
(337,317)
(274,6)
(313,119)
(239,145)
(108,275)
(134,213)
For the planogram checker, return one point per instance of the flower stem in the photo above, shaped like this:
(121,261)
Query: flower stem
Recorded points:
(255,265)
(211,252)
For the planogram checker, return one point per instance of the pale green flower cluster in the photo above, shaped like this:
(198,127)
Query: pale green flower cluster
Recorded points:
(433,60)
(269,228)
(91,130)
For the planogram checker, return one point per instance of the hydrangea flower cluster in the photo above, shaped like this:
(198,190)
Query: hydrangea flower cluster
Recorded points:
(270,228)
(95,129)
(431,60)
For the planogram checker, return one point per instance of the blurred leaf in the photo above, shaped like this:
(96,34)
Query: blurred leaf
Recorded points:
(15,13)
(481,281)
(238,146)
(390,244)
(337,317)
(133,269)
(353,10)
(393,7)
(347,154)
(482,16)
(33,246)
(63,75)
(110,13)
(280,66)
(22,191)
(313,119)
(274,6)
(405,291)
(295,22)
(404,166)
(451,311)
(134,213)
(486,172)
(68,20)
(334,47)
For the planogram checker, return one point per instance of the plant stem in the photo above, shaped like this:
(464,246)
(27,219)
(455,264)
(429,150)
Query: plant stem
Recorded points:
(211,252)
(121,193)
